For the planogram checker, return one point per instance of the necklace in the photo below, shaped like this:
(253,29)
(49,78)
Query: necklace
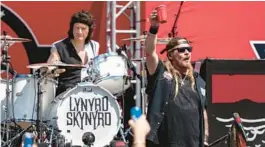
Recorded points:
(182,80)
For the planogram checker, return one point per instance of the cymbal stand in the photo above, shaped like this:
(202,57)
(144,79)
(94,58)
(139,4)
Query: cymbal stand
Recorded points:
(39,121)
(6,59)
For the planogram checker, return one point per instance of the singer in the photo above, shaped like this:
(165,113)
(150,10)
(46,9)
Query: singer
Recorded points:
(177,105)
(77,48)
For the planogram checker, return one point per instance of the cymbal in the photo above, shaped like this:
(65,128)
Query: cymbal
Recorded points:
(143,37)
(38,65)
(11,39)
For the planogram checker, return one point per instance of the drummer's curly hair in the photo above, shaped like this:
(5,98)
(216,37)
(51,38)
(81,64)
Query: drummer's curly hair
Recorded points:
(83,17)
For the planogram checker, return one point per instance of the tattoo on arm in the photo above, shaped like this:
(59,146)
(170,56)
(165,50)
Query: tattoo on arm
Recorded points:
(54,56)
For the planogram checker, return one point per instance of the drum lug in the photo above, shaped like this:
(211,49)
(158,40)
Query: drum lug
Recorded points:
(55,118)
(53,101)
(19,94)
(87,89)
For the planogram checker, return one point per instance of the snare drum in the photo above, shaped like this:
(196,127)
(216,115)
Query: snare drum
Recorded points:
(25,97)
(86,108)
(111,72)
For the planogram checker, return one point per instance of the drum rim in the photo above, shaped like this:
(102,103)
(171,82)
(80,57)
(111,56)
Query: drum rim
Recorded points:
(25,76)
(105,55)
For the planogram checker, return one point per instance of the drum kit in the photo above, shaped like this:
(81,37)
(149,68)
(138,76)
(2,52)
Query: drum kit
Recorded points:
(88,114)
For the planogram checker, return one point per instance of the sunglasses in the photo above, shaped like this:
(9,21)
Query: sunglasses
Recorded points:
(183,49)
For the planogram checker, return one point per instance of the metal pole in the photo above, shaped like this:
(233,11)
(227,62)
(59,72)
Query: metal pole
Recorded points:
(108,31)
(113,26)
(138,54)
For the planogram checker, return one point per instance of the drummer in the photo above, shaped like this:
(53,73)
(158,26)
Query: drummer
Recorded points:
(77,48)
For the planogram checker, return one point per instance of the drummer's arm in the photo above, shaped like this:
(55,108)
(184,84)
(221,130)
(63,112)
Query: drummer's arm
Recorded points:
(54,56)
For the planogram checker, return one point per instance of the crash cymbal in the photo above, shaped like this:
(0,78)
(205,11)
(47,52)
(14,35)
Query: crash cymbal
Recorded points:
(38,65)
(11,39)
(143,37)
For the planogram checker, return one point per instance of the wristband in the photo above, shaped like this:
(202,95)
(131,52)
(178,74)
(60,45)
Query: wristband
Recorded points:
(153,29)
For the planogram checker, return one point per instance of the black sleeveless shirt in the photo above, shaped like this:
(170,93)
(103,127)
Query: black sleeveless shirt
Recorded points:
(68,55)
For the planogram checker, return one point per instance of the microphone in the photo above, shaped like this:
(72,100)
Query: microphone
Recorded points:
(239,125)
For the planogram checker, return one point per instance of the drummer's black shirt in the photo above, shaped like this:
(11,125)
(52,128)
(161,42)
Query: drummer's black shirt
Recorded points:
(68,55)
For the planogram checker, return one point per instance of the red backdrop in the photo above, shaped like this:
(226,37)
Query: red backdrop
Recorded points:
(218,29)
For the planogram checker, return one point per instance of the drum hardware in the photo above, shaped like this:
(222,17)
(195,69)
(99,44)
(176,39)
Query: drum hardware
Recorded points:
(39,121)
(16,136)
(6,60)
(88,138)
(141,77)
(12,39)
(122,52)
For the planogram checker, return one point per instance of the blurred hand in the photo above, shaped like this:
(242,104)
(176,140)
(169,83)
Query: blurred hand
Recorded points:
(56,73)
(140,128)
(154,19)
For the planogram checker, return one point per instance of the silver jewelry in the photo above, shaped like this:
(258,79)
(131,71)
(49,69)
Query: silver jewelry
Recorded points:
(182,80)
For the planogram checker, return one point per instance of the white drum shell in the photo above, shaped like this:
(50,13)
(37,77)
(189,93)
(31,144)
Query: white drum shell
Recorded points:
(111,70)
(81,102)
(25,97)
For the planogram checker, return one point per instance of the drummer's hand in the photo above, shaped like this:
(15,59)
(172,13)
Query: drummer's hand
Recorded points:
(59,71)
(154,19)
(56,73)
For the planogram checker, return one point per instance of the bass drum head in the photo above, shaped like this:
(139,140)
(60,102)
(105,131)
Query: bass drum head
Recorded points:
(86,108)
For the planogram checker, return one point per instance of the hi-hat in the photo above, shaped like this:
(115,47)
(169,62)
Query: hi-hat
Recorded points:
(11,39)
(143,37)
(39,65)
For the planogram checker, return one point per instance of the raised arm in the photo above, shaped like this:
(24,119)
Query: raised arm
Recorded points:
(150,44)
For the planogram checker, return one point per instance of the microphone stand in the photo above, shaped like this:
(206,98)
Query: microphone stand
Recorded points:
(173,30)
(219,140)
(129,62)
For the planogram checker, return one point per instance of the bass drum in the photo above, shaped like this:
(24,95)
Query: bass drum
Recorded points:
(86,108)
